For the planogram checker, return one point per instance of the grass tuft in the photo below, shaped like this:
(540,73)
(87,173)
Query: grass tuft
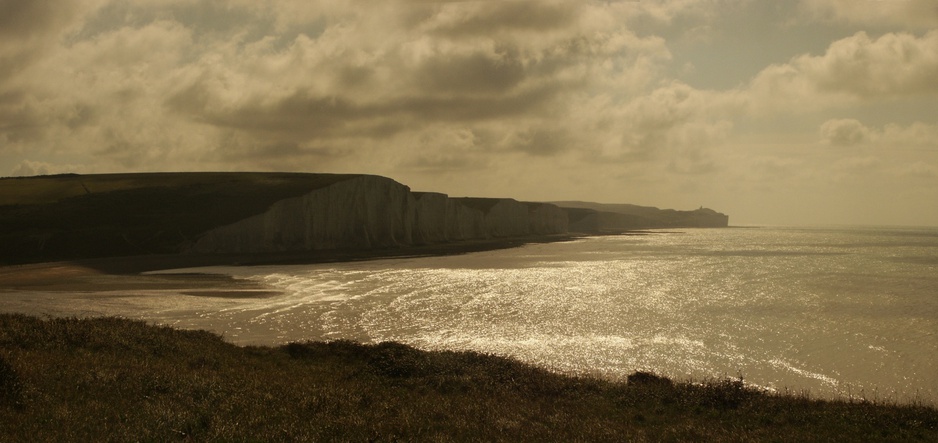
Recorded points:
(111,379)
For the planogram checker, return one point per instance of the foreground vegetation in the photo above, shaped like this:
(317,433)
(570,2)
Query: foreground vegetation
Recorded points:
(121,380)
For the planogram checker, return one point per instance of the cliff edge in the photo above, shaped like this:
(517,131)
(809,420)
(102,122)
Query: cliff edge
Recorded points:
(66,217)
(72,216)
(368,212)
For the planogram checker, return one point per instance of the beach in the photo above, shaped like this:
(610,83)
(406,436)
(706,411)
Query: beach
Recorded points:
(130,274)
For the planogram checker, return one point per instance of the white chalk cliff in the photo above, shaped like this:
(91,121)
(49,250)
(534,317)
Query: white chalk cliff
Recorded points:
(367,212)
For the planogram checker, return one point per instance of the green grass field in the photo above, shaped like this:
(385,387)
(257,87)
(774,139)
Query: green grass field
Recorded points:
(110,379)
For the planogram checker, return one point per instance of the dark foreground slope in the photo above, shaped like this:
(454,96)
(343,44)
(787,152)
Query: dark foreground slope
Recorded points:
(120,380)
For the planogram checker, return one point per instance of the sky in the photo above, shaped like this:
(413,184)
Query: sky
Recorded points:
(794,112)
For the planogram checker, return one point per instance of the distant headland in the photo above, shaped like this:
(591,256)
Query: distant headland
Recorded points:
(70,216)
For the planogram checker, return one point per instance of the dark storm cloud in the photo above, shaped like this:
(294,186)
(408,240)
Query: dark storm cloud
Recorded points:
(299,117)
(80,115)
(298,77)
(21,19)
(472,108)
(306,116)
(204,18)
(488,18)
(274,152)
(355,76)
(300,114)
(27,29)
(476,72)
(445,162)
(19,125)
(19,120)
(543,142)
(909,13)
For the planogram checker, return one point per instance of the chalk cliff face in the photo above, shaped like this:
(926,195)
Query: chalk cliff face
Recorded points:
(366,212)
(504,217)
(70,216)
(497,217)
(362,212)
(546,218)
(508,218)
(464,222)
(430,213)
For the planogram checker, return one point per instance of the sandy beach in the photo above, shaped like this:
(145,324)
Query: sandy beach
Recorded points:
(68,277)
(132,273)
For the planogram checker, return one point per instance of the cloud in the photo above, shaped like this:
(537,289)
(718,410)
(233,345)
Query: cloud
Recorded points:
(919,170)
(445,149)
(465,19)
(850,132)
(894,64)
(668,11)
(349,82)
(23,20)
(918,135)
(28,29)
(674,120)
(775,167)
(28,168)
(856,68)
(19,119)
(904,13)
(162,84)
(857,166)
(844,132)
(478,72)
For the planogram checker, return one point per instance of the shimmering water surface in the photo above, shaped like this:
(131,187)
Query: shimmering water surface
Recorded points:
(837,312)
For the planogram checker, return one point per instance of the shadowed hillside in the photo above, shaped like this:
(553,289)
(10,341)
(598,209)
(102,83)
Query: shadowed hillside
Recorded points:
(87,216)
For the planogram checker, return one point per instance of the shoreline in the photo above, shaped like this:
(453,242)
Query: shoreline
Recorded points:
(149,272)
(138,273)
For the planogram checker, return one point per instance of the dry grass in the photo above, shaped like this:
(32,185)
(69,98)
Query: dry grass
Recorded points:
(110,379)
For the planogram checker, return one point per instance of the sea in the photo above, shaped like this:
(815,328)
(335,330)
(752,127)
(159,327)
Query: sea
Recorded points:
(833,312)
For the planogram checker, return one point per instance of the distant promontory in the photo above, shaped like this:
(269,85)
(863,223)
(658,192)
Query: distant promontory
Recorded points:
(63,217)
(599,217)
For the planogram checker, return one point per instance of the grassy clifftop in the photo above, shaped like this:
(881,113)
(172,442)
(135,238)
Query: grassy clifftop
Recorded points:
(119,380)
(87,216)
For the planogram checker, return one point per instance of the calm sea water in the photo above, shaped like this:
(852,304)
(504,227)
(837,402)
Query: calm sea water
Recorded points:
(834,312)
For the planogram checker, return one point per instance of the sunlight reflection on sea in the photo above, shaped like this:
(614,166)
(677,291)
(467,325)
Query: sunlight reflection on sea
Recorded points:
(836,312)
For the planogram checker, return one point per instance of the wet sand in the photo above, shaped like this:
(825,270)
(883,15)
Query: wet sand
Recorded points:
(110,275)
(68,277)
